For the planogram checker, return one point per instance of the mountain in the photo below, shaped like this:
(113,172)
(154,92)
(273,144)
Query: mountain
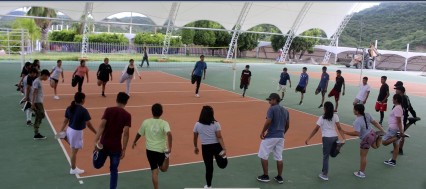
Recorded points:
(393,24)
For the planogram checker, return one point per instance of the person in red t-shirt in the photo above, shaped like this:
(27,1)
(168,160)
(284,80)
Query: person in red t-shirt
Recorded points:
(114,127)
(245,79)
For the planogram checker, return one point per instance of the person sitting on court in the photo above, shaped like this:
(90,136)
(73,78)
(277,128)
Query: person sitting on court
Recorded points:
(276,125)
(364,92)
(114,128)
(78,117)
(369,138)
(328,123)
(212,144)
(158,149)
(303,83)
(245,79)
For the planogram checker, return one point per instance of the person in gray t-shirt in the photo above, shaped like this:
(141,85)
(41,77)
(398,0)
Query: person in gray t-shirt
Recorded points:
(369,138)
(272,135)
(37,102)
(212,144)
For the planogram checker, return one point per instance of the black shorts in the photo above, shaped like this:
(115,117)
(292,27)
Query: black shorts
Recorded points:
(103,79)
(155,159)
(300,89)
(243,86)
(56,81)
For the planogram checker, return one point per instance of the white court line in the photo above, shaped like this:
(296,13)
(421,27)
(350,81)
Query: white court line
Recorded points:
(60,143)
(195,162)
(181,104)
(145,92)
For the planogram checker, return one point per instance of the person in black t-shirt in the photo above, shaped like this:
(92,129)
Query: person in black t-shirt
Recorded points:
(340,81)
(382,99)
(104,72)
(25,71)
(245,79)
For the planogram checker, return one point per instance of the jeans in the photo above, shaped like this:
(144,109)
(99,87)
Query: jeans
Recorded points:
(210,151)
(114,158)
(327,147)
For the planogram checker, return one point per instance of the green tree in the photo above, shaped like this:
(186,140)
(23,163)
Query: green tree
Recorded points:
(43,24)
(29,25)
(247,41)
(299,44)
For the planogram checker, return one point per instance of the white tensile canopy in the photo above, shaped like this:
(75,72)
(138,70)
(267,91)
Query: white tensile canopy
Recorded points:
(323,15)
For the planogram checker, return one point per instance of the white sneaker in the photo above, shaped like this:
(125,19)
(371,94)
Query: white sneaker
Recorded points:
(207,186)
(359,174)
(221,154)
(196,95)
(76,171)
(323,177)
(56,97)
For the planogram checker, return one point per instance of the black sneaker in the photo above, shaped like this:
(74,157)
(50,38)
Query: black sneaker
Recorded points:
(29,124)
(279,179)
(300,103)
(390,162)
(38,136)
(103,94)
(320,106)
(263,178)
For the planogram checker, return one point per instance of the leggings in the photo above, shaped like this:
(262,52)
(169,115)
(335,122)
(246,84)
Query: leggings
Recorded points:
(128,78)
(198,80)
(210,151)
(80,81)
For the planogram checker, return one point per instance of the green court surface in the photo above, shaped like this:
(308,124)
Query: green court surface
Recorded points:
(42,164)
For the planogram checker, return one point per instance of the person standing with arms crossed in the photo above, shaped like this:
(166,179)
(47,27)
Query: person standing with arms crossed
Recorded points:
(37,102)
(144,58)
(282,84)
(382,99)
(197,73)
(340,81)
(245,79)
(104,72)
(303,83)
(156,130)
(112,137)
(323,85)
(276,125)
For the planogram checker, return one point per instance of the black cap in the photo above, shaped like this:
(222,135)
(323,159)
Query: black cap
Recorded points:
(274,96)
(401,88)
(398,83)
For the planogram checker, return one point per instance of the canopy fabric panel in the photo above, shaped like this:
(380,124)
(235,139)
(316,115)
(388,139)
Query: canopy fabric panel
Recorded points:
(326,16)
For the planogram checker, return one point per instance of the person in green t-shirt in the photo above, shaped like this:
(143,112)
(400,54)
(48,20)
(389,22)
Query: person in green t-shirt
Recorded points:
(156,131)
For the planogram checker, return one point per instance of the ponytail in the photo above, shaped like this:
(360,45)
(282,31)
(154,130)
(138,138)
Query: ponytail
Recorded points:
(72,107)
(360,109)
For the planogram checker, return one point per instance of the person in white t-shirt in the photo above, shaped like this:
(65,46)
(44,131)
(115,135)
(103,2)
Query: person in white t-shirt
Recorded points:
(54,77)
(396,129)
(364,92)
(328,123)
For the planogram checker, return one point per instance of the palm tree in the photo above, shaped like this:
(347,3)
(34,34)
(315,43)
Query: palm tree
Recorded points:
(43,24)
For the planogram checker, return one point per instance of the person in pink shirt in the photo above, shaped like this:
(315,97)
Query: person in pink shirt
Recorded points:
(78,75)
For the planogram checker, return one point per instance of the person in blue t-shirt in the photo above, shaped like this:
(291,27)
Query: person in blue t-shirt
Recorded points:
(197,73)
(282,84)
(323,85)
(272,135)
(303,83)
(78,117)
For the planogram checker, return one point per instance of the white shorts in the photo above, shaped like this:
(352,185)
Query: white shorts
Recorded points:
(281,88)
(75,138)
(274,145)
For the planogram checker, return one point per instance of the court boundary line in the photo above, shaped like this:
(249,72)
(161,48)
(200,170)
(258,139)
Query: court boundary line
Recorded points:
(133,83)
(145,92)
(149,105)
(60,143)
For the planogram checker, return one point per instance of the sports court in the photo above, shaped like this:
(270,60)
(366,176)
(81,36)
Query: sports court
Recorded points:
(36,164)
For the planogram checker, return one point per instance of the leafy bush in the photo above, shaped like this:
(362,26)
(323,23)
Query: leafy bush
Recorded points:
(103,38)
(64,35)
